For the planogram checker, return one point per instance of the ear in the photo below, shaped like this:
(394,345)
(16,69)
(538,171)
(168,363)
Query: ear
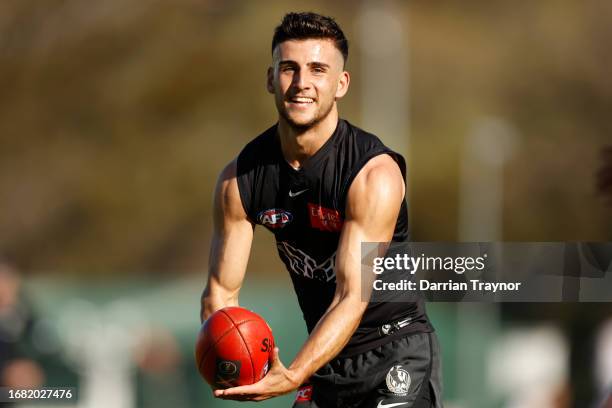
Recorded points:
(270,80)
(343,84)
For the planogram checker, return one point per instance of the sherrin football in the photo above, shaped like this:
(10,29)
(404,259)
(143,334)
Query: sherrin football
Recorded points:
(234,347)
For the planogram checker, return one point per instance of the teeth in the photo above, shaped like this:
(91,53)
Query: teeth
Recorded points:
(302,100)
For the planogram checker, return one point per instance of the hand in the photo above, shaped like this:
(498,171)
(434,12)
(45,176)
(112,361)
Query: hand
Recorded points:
(278,381)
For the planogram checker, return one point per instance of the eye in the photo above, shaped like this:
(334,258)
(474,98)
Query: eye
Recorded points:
(319,70)
(287,69)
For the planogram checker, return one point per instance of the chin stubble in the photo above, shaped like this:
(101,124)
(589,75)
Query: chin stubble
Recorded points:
(305,126)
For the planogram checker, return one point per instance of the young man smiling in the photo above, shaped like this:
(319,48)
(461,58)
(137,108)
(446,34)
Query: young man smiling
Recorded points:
(323,186)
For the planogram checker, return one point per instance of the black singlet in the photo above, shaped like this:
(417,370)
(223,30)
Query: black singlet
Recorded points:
(305,210)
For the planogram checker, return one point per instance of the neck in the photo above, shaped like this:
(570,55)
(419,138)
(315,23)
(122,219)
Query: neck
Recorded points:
(300,144)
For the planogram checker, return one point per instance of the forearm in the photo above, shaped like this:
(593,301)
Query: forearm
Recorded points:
(214,299)
(230,246)
(328,338)
(227,265)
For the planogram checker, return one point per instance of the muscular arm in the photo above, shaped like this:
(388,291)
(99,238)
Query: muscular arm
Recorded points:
(230,246)
(373,204)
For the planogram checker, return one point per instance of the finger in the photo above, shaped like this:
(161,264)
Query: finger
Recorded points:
(275,356)
(276,361)
(237,398)
(242,390)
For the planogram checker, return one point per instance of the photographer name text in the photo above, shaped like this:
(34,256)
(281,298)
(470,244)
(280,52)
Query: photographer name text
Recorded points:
(425,285)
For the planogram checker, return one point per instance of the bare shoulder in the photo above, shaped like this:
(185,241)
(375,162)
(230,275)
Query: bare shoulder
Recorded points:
(380,174)
(227,196)
(229,171)
(378,185)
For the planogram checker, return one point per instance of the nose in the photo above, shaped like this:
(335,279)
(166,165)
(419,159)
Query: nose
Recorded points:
(300,80)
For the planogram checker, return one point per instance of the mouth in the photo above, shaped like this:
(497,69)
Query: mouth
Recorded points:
(301,100)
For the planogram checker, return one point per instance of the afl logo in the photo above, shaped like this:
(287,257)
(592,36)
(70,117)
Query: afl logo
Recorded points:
(274,218)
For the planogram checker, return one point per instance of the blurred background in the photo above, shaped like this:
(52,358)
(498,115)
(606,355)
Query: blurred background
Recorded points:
(116,117)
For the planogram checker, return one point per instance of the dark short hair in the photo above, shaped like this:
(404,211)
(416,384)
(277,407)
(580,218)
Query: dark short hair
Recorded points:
(302,26)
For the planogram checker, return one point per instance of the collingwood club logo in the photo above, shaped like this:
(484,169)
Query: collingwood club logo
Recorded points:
(398,380)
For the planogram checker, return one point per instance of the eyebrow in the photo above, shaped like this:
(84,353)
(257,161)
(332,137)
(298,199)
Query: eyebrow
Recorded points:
(310,64)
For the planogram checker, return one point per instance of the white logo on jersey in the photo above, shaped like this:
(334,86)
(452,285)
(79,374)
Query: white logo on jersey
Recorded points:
(292,194)
(274,218)
(398,380)
(396,404)
(303,264)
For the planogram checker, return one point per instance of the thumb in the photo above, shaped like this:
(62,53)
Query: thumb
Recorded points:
(275,357)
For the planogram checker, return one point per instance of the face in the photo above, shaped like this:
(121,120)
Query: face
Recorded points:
(306,79)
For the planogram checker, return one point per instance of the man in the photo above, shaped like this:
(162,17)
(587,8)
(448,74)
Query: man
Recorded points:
(323,186)
(18,366)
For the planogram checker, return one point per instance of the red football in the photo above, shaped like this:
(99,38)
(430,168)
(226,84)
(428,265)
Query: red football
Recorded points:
(234,347)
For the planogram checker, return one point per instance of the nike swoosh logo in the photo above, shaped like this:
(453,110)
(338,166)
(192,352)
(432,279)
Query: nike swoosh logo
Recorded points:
(296,193)
(396,404)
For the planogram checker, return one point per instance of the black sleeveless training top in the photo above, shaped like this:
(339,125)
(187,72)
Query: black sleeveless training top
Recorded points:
(305,210)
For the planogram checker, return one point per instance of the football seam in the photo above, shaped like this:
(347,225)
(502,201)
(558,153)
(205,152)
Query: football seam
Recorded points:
(244,342)
(248,350)
(216,342)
